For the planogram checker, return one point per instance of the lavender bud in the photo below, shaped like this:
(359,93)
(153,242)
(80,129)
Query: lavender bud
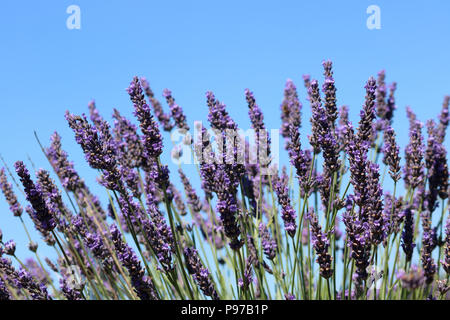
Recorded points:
(40,214)
(288,213)
(269,245)
(10,197)
(199,273)
(151,140)
(176,111)
(321,244)
(10,247)
(408,244)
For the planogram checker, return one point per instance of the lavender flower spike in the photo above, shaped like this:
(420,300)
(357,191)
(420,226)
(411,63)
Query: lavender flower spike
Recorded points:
(290,109)
(163,118)
(269,245)
(321,244)
(358,239)
(391,151)
(329,89)
(375,206)
(408,244)
(176,111)
(288,213)
(142,285)
(151,140)
(365,129)
(199,273)
(34,195)
(10,197)
(413,170)
(446,260)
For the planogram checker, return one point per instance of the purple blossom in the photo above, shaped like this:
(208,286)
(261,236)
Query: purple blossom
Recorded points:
(290,109)
(443,120)
(300,159)
(329,90)
(62,166)
(176,111)
(413,279)
(9,194)
(163,118)
(358,163)
(257,120)
(428,244)
(22,279)
(287,212)
(141,283)
(10,247)
(408,244)
(192,198)
(321,245)
(128,143)
(99,149)
(151,139)
(358,240)
(391,153)
(375,204)
(365,130)
(413,169)
(41,215)
(269,245)
(446,258)
(200,274)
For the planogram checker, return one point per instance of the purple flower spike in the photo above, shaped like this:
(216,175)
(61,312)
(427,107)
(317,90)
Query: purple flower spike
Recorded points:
(10,197)
(288,213)
(200,274)
(95,116)
(141,283)
(446,261)
(192,198)
(413,279)
(99,149)
(428,244)
(290,109)
(62,166)
(358,240)
(365,129)
(4,293)
(391,153)
(257,120)
(413,170)
(269,245)
(375,207)
(163,118)
(300,159)
(329,90)
(10,247)
(358,164)
(128,142)
(41,214)
(321,244)
(151,140)
(444,118)
(408,244)
(176,111)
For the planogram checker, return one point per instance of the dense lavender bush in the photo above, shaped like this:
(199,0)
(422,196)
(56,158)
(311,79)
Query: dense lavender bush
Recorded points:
(250,230)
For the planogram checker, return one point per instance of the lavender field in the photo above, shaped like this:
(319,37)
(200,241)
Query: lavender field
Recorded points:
(352,216)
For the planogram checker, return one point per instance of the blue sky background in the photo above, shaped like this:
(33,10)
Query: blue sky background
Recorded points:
(195,46)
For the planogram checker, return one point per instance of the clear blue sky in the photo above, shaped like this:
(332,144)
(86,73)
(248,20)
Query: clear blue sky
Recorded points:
(195,46)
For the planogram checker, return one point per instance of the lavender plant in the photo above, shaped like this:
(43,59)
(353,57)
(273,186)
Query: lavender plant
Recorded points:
(242,228)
